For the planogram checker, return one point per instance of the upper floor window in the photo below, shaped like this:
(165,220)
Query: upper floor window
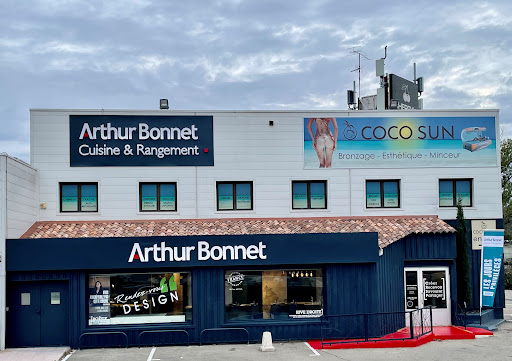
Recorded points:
(234,196)
(382,194)
(79,197)
(309,195)
(157,197)
(453,190)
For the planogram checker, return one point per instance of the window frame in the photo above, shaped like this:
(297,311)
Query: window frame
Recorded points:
(454,191)
(234,184)
(308,192)
(158,184)
(79,196)
(381,191)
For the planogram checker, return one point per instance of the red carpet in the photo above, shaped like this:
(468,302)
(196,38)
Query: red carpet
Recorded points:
(440,333)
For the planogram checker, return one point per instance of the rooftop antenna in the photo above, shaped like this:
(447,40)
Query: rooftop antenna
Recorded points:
(358,69)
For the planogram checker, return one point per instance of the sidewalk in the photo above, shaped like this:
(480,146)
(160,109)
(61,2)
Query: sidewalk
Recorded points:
(33,354)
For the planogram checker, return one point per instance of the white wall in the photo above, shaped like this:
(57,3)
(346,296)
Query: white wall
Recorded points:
(247,148)
(22,197)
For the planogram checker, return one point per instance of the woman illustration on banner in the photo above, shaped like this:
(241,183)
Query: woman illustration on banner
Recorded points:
(324,142)
(98,288)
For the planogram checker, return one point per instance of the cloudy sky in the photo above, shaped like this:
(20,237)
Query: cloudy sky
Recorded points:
(235,54)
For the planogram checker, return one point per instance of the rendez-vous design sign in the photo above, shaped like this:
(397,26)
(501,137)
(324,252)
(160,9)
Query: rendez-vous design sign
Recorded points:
(129,140)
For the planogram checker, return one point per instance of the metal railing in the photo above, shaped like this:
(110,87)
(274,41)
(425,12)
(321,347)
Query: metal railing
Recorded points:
(222,329)
(164,331)
(101,333)
(375,327)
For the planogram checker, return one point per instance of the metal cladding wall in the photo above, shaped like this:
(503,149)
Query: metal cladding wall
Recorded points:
(346,291)
(390,273)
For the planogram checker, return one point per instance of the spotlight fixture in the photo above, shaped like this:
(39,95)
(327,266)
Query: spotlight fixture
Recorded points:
(164,104)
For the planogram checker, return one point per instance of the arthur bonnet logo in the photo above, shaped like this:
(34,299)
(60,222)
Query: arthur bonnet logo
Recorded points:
(202,252)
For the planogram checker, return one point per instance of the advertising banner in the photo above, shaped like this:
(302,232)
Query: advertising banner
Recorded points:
(492,257)
(131,140)
(404,91)
(399,142)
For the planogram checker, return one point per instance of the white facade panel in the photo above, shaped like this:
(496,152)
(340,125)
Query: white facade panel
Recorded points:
(247,148)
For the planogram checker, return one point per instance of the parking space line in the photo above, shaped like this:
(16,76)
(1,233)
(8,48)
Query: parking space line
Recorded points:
(150,357)
(312,349)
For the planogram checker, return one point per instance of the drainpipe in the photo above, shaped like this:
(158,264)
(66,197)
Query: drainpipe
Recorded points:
(3,234)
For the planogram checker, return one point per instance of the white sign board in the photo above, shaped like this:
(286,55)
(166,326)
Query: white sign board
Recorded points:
(477,228)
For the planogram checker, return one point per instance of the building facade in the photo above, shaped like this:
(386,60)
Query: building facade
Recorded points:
(189,221)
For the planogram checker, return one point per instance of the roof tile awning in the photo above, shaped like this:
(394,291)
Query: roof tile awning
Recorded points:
(390,229)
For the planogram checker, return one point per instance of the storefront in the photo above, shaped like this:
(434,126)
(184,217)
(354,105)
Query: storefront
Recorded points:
(161,224)
(277,282)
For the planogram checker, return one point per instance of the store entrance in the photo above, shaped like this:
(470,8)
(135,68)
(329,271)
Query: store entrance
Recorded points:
(429,286)
(37,314)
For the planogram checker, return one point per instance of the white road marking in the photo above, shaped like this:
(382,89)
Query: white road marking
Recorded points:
(312,349)
(150,357)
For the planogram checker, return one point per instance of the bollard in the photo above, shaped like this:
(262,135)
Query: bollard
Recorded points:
(266,342)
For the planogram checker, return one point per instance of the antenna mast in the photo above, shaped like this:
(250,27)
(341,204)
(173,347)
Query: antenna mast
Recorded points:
(358,69)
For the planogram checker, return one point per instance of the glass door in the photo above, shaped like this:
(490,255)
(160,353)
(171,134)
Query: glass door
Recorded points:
(429,286)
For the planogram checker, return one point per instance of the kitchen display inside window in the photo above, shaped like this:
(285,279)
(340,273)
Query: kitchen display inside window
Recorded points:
(383,194)
(132,298)
(78,197)
(453,190)
(157,197)
(273,294)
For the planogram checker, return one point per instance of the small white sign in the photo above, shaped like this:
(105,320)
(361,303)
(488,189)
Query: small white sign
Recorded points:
(477,229)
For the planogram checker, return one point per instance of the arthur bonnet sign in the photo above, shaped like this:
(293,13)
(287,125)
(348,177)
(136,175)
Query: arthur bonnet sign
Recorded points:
(130,140)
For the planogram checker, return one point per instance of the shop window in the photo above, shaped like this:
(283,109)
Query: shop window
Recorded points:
(273,294)
(157,197)
(234,196)
(453,190)
(382,194)
(309,195)
(131,298)
(79,197)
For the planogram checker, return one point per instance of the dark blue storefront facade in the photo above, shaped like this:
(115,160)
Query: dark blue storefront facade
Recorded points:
(356,277)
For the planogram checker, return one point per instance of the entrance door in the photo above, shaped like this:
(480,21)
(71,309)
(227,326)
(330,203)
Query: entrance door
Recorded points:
(37,314)
(429,286)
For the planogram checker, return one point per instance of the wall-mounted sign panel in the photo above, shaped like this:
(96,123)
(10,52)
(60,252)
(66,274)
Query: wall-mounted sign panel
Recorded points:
(131,140)
(477,230)
(403,91)
(399,142)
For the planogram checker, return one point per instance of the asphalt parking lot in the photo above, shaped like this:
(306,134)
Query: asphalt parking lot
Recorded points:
(497,347)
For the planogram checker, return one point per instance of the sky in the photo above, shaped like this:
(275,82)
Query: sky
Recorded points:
(245,55)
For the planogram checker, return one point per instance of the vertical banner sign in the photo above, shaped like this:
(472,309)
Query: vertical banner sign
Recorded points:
(492,257)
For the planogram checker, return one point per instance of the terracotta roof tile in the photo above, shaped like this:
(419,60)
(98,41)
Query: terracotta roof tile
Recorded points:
(390,229)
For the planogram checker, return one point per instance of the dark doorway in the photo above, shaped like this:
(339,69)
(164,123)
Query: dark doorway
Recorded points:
(37,314)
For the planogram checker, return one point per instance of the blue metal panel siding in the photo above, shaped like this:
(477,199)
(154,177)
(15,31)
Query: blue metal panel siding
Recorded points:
(390,278)
(351,288)
(430,246)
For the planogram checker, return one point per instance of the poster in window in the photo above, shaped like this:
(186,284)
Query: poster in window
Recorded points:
(69,204)
(445,199)
(373,200)
(149,203)
(464,197)
(390,200)
(167,203)
(243,202)
(99,300)
(89,204)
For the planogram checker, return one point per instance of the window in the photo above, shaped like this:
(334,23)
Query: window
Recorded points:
(273,294)
(451,190)
(79,197)
(157,197)
(382,194)
(309,195)
(234,196)
(129,298)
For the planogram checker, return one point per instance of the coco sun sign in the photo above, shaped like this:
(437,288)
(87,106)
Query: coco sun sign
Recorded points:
(130,140)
